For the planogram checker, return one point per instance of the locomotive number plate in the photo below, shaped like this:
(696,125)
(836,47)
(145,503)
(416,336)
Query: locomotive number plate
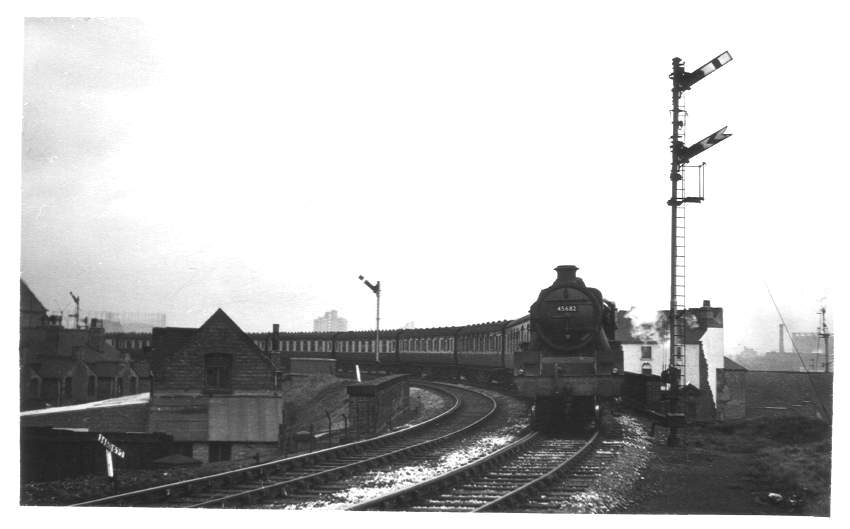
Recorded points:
(566,308)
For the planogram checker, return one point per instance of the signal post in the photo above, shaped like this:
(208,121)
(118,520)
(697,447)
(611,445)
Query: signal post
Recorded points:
(681,155)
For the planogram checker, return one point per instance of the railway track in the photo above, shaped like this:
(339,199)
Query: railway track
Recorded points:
(502,478)
(286,478)
(537,473)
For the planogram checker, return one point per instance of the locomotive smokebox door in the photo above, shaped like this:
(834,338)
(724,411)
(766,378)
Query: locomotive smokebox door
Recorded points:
(567,315)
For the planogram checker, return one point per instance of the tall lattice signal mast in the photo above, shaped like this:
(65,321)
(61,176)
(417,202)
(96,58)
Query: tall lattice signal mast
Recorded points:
(681,155)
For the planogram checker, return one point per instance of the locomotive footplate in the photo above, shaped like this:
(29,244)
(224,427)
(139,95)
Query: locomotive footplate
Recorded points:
(593,385)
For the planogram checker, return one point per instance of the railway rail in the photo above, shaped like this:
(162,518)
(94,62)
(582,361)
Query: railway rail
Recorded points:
(288,476)
(536,473)
(498,481)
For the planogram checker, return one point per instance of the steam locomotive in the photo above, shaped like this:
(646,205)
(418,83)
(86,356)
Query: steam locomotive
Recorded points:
(572,361)
(562,354)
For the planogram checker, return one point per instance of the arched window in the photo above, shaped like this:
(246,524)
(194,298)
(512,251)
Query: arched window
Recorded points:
(646,368)
(217,369)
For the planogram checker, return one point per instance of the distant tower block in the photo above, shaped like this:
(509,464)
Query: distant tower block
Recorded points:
(330,322)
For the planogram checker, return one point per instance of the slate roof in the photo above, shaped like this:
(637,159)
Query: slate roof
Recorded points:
(108,369)
(30,303)
(170,340)
(55,367)
(165,341)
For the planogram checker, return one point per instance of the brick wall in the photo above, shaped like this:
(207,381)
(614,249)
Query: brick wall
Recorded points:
(731,394)
(48,454)
(373,405)
(768,393)
(201,452)
(186,417)
(788,392)
(248,450)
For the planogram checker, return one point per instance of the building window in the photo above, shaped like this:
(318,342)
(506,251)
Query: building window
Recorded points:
(34,387)
(217,368)
(645,351)
(92,386)
(119,386)
(69,390)
(133,385)
(646,368)
(104,387)
(219,452)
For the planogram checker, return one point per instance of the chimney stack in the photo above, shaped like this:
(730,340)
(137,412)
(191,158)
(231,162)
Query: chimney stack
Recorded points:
(275,337)
(566,273)
(781,338)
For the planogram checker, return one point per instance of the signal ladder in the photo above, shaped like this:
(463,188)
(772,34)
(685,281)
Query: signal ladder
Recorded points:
(678,327)
(680,324)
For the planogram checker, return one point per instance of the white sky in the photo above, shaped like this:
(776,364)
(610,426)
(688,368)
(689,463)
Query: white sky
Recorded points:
(259,160)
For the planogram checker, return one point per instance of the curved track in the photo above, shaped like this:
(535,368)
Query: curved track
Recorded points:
(503,478)
(286,477)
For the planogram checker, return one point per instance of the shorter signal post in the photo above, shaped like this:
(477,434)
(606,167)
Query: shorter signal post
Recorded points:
(376,288)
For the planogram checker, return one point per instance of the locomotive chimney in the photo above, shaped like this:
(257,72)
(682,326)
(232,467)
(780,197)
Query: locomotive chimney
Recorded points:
(566,273)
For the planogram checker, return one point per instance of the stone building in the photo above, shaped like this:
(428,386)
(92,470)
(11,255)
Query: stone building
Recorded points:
(215,391)
(60,366)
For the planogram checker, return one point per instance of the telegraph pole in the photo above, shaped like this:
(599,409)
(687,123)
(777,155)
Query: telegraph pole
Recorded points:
(681,155)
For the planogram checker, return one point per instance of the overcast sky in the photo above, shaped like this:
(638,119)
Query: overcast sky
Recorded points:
(455,151)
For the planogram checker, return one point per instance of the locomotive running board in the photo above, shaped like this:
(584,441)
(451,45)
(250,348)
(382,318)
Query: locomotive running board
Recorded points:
(599,385)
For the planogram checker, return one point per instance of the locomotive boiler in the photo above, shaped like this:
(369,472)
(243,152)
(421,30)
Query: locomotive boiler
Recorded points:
(571,363)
